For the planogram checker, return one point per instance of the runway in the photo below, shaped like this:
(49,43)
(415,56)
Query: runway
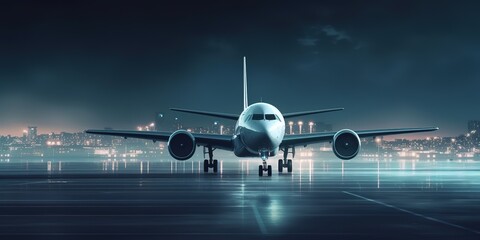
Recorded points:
(324,198)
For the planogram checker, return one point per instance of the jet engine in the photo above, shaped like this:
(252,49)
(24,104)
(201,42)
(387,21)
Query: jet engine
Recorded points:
(346,144)
(181,145)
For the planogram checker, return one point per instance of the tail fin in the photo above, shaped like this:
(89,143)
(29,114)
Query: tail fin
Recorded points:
(245,92)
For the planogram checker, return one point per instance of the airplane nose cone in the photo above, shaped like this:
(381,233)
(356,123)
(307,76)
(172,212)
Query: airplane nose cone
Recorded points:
(260,137)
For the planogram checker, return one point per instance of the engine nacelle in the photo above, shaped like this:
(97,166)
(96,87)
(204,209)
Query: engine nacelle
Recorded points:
(346,144)
(181,145)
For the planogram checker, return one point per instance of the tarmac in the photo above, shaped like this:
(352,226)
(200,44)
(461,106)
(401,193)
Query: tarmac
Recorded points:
(324,198)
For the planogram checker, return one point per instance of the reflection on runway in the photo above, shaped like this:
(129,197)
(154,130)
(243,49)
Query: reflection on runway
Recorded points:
(324,198)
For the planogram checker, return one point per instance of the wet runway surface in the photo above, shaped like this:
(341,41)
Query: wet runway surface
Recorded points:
(322,199)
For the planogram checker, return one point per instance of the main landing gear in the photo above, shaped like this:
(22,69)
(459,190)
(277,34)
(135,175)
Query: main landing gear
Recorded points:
(264,167)
(210,163)
(286,163)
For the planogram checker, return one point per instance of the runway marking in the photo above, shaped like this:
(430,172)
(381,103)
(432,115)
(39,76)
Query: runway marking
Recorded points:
(414,213)
(260,223)
(31,183)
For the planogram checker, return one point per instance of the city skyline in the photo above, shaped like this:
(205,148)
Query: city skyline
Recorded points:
(291,127)
(72,66)
(64,145)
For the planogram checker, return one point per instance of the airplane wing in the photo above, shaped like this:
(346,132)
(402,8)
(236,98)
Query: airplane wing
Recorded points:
(214,140)
(297,114)
(305,139)
(212,114)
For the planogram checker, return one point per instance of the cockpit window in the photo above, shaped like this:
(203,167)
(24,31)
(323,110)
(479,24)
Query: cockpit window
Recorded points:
(270,117)
(257,117)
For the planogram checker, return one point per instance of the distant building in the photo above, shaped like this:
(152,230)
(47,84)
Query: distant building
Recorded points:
(159,121)
(323,127)
(32,133)
(25,136)
(474,125)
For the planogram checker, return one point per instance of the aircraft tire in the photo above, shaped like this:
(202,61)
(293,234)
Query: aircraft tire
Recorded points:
(205,165)
(215,165)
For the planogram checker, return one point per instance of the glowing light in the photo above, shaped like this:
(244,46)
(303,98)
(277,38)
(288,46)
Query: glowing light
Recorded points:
(310,124)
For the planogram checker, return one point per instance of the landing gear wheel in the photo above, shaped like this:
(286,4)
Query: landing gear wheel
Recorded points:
(269,170)
(215,165)
(260,170)
(287,163)
(280,165)
(205,165)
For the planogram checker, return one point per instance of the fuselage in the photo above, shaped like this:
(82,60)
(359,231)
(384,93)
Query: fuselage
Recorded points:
(259,131)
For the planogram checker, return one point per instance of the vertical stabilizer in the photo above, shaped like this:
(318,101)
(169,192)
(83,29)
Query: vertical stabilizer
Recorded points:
(245,92)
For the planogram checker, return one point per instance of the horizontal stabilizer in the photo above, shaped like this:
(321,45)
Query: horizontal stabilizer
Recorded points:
(297,114)
(212,114)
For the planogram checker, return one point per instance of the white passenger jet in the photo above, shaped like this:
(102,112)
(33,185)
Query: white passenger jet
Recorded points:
(259,132)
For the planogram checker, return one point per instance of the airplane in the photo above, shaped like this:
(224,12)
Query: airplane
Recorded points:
(259,132)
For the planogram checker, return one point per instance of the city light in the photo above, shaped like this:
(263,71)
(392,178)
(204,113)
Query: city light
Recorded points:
(310,124)
(290,124)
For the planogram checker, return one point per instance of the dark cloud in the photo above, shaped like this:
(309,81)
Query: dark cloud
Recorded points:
(335,34)
(81,64)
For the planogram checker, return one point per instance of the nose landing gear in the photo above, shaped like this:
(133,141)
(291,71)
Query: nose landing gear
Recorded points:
(264,167)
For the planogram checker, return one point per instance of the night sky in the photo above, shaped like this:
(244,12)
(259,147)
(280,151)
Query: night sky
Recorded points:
(73,65)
